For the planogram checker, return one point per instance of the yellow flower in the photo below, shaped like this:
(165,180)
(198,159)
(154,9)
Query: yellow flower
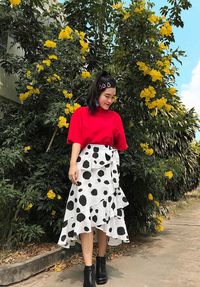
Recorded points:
(172,91)
(50,44)
(51,194)
(154,113)
(117,6)
(15,2)
(166,29)
(62,122)
(149,151)
(40,68)
(144,146)
(143,67)
(65,33)
(28,74)
(162,46)
(29,87)
(155,75)
(159,63)
(53,212)
(67,94)
(167,71)
(59,197)
(54,78)
(140,8)
(31,90)
(160,219)
(84,45)
(156,203)
(159,103)
(27,148)
(169,174)
(85,74)
(81,34)
(146,149)
(154,19)
(159,228)
(76,106)
(168,107)
(28,207)
(126,15)
(24,96)
(71,109)
(46,62)
(53,57)
(150,196)
(148,93)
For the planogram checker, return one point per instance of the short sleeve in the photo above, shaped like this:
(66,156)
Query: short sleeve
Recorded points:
(75,128)
(119,135)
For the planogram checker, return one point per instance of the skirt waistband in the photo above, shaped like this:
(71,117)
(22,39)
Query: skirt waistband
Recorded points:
(96,156)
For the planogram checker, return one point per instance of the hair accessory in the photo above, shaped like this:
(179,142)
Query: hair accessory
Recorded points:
(103,86)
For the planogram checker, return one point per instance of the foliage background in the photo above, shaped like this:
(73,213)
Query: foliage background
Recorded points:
(115,44)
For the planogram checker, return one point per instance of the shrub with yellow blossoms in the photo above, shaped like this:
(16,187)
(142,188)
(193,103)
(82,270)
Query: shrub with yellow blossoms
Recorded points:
(137,54)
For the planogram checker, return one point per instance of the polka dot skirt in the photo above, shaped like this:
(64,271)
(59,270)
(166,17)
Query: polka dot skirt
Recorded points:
(96,201)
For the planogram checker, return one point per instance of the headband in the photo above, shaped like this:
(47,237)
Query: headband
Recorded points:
(103,86)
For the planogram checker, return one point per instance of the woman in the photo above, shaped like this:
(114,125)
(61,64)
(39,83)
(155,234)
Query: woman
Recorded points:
(95,203)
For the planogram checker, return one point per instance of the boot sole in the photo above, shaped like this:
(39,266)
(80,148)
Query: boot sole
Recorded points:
(101,282)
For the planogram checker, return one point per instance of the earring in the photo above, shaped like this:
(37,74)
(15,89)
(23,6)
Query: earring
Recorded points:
(97,103)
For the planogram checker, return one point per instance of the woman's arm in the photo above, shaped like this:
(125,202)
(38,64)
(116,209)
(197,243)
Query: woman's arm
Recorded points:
(76,147)
(73,170)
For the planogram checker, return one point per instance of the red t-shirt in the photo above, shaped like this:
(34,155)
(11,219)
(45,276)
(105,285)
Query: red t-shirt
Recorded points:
(103,127)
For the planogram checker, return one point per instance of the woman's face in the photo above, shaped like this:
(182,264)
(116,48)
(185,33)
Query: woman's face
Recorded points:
(107,97)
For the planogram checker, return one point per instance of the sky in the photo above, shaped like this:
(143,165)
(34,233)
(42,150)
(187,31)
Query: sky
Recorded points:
(188,40)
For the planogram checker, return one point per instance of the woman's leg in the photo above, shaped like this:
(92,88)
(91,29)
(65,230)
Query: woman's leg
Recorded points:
(87,247)
(102,242)
(101,273)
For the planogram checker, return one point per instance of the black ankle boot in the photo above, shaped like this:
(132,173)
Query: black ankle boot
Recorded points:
(101,273)
(89,276)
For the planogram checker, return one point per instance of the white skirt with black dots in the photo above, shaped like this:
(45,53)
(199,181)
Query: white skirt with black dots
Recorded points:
(97,201)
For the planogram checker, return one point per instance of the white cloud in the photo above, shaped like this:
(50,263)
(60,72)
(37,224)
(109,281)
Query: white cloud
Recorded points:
(190,93)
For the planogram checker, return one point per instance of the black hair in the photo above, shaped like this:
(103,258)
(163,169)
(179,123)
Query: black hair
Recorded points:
(102,81)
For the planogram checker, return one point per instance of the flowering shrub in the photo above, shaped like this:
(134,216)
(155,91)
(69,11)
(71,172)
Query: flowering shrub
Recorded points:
(160,162)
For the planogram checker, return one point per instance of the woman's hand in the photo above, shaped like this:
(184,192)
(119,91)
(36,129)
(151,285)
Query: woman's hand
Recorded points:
(73,173)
